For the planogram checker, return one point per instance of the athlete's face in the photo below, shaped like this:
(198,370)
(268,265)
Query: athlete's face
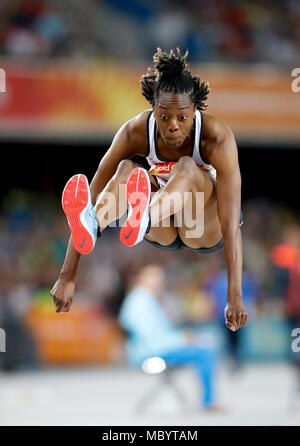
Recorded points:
(174,114)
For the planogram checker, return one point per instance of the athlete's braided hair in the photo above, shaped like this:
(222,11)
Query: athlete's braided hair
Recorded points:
(169,74)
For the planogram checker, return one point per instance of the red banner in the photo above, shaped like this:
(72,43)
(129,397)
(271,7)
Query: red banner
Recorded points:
(74,100)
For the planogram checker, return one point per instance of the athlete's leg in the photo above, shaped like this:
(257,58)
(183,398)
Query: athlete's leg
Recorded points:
(112,203)
(179,197)
(165,233)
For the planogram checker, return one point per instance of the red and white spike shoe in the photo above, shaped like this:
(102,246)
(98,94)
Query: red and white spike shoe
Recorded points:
(80,213)
(138,189)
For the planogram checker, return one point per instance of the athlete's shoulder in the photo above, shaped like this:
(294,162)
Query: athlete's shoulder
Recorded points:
(141,118)
(215,129)
(218,144)
(136,130)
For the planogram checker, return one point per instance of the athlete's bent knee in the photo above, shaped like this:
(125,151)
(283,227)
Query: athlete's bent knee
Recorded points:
(186,163)
(189,173)
(124,168)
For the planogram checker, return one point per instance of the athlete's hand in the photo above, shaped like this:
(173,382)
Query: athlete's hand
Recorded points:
(236,315)
(63,294)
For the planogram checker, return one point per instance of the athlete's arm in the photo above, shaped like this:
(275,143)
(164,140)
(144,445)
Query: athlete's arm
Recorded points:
(223,156)
(130,140)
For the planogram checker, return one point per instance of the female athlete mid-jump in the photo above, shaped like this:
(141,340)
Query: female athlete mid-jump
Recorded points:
(204,158)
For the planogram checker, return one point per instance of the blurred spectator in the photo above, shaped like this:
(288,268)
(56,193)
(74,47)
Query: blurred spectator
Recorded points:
(150,333)
(247,32)
(20,345)
(31,28)
(22,42)
(51,27)
(286,258)
(251,293)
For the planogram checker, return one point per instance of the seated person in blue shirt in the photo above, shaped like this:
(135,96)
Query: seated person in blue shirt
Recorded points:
(151,333)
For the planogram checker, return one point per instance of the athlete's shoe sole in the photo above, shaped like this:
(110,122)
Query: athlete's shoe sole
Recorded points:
(138,190)
(75,201)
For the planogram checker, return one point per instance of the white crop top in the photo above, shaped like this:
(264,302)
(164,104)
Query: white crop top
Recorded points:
(153,156)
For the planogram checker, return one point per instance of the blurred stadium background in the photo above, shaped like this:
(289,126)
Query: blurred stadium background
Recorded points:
(72,71)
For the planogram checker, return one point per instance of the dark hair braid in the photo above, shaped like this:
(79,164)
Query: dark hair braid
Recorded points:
(170,74)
